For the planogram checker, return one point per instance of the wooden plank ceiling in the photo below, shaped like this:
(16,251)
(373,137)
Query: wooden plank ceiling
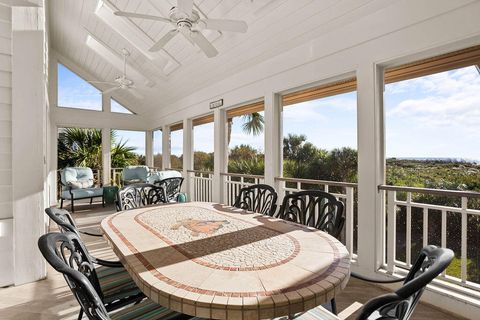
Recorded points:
(274,27)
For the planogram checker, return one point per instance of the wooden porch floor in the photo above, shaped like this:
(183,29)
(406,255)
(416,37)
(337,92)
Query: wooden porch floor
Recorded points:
(52,299)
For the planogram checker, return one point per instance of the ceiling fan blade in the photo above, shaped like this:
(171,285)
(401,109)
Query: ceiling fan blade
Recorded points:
(141,16)
(185,6)
(203,44)
(163,40)
(111,89)
(225,25)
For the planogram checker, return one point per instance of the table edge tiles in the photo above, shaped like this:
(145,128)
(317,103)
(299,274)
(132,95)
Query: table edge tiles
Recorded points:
(221,304)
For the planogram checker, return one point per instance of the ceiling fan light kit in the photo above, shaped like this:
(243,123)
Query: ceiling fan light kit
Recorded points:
(188,22)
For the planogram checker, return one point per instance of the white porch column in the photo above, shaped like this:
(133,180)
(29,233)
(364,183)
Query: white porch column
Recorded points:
(165,147)
(149,148)
(29,134)
(187,153)
(220,153)
(273,140)
(106,143)
(106,156)
(371,167)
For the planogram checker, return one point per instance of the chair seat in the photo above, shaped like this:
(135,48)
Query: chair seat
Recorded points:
(146,310)
(83,193)
(116,284)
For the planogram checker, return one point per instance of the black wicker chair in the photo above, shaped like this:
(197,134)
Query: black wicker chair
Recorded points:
(400,304)
(316,209)
(65,221)
(172,187)
(67,255)
(139,195)
(260,198)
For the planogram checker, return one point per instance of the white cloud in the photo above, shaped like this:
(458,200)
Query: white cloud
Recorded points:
(447,99)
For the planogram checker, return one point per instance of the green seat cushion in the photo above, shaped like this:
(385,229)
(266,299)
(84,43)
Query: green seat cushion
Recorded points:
(83,193)
(147,309)
(116,283)
(135,174)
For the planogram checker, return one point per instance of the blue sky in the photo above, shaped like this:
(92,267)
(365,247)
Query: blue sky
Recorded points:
(431,116)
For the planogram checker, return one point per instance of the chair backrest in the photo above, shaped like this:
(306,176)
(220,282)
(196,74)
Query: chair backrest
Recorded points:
(316,209)
(172,187)
(66,253)
(431,262)
(139,195)
(63,219)
(135,173)
(77,177)
(260,198)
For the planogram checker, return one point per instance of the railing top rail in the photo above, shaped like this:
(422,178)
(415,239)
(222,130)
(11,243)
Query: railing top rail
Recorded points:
(441,192)
(255,176)
(312,181)
(200,171)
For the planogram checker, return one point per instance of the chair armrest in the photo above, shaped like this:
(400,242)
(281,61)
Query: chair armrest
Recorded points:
(350,310)
(357,276)
(107,263)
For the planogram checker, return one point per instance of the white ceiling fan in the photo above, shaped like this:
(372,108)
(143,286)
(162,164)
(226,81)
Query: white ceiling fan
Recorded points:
(188,22)
(120,82)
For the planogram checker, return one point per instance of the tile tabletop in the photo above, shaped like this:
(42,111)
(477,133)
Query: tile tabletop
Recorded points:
(213,261)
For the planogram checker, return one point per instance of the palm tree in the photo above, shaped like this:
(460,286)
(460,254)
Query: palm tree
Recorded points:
(253,124)
(83,148)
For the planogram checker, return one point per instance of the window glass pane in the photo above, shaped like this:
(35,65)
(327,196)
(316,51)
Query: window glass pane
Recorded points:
(157,148)
(75,92)
(118,108)
(203,146)
(432,134)
(176,153)
(320,139)
(246,144)
(128,148)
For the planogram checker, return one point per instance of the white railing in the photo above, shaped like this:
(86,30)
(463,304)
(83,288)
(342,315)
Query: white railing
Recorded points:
(201,183)
(344,191)
(233,182)
(458,208)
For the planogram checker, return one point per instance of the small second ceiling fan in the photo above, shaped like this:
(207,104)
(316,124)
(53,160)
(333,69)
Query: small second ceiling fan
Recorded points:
(120,82)
(188,22)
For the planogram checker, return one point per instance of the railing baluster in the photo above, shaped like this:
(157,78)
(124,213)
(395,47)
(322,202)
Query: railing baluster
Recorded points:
(409,230)
(464,239)
(392,227)
(425,226)
(444,232)
(349,220)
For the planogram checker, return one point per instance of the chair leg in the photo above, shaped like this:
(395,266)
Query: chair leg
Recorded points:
(91,200)
(334,306)
(72,205)
(80,314)
(103,201)
(61,203)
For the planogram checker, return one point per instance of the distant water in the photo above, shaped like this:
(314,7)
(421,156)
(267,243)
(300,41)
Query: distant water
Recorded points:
(456,160)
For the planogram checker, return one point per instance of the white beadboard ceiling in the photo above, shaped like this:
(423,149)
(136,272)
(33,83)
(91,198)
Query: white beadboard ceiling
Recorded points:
(181,69)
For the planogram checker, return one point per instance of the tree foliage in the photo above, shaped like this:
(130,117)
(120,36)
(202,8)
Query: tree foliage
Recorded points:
(83,148)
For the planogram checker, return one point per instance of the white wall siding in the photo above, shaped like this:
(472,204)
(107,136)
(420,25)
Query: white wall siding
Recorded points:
(6,211)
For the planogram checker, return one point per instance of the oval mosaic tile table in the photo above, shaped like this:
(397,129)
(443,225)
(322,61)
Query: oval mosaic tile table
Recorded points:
(213,261)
